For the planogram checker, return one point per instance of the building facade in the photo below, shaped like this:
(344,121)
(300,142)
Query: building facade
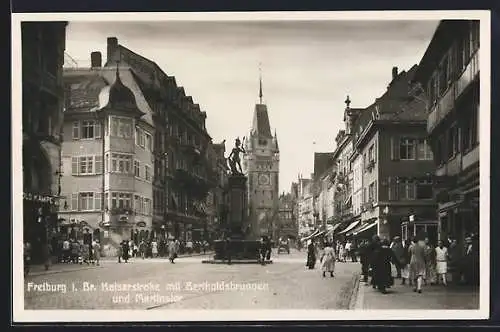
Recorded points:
(261,164)
(107,156)
(43,45)
(306,221)
(181,159)
(287,224)
(392,165)
(448,79)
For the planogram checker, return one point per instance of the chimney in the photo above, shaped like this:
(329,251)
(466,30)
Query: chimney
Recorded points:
(95,59)
(112,47)
(394,73)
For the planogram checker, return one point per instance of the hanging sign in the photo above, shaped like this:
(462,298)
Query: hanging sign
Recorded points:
(40,198)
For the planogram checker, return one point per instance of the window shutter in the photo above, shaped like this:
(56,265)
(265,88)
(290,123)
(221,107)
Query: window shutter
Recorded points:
(390,188)
(375,191)
(74,165)
(98,164)
(74,202)
(98,201)
(97,129)
(76,130)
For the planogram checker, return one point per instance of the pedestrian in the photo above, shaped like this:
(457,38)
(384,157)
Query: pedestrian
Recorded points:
(347,249)
(96,247)
(430,263)
(125,251)
(441,263)
(268,248)
(311,255)
(142,249)
(262,250)
(470,262)
(327,260)
(372,249)
(405,264)
(27,257)
(383,256)
(397,248)
(173,249)
(119,251)
(364,259)
(66,249)
(454,258)
(354,251)
(154,248)
(417,263)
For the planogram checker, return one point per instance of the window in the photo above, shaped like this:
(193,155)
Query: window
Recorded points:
(371,192)
(147,172)
(76,130)
(453,139)
(86,129)
(470,136)
(424,150)
(86,165)
(121,200)
(143,139)
(407,189)
(121,163)
(407,149)
(443,75)
(137,204)
(137,168)
(433,85)
(371,155)
(86,201)
(424,189)
(121,127)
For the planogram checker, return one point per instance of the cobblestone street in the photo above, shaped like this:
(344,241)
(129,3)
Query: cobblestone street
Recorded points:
(285,284)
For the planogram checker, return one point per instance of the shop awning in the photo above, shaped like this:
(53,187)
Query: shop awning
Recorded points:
(310,236)
(351,226)
(365,228)
(355,229)
(334,227)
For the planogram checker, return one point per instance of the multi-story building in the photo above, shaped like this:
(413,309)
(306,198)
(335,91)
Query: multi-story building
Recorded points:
(218,193)
(306,221)
(393,163)
(107,155)
(43,45)
(448,77)
(184,173)
(323,161)
(287,224)
(261,163)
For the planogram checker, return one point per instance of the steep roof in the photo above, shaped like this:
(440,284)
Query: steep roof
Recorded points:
(261,126)
(84,88)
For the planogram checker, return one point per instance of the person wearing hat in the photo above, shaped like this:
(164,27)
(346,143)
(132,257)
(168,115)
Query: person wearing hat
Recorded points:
(382,268)
(397,248)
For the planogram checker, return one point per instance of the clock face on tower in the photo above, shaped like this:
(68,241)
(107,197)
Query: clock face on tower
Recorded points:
(264,179)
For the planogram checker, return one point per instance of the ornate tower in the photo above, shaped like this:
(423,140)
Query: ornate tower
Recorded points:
(261,164)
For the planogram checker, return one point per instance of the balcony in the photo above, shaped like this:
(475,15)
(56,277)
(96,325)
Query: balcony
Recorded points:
(447,102)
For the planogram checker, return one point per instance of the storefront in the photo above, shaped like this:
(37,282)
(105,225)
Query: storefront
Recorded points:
(40,222)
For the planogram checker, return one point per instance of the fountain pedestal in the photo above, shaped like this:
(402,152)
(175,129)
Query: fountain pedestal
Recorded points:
(243,248)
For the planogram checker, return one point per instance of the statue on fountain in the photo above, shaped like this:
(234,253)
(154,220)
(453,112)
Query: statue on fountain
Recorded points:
(234,160)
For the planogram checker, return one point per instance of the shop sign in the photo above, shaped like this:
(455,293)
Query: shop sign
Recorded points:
(40,198)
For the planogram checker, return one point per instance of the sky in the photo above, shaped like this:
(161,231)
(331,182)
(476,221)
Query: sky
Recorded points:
(308,68)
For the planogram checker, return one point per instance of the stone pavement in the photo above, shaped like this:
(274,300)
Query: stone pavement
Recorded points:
(431,298)
(189,284)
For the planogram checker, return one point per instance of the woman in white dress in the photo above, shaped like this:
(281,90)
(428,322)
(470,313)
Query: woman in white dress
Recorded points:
(328,260)
(441,262)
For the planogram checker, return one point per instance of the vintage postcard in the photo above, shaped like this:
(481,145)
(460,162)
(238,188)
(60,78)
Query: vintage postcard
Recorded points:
(251,166)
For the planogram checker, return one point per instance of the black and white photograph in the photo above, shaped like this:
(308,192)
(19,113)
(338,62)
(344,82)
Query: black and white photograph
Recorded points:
(251,166)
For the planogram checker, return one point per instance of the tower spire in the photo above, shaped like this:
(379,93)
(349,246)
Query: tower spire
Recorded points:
(260,83)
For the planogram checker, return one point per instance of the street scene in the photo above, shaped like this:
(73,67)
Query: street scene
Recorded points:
(251,165)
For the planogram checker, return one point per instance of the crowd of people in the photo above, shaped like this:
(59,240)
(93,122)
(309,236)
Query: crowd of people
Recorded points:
(417,262)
